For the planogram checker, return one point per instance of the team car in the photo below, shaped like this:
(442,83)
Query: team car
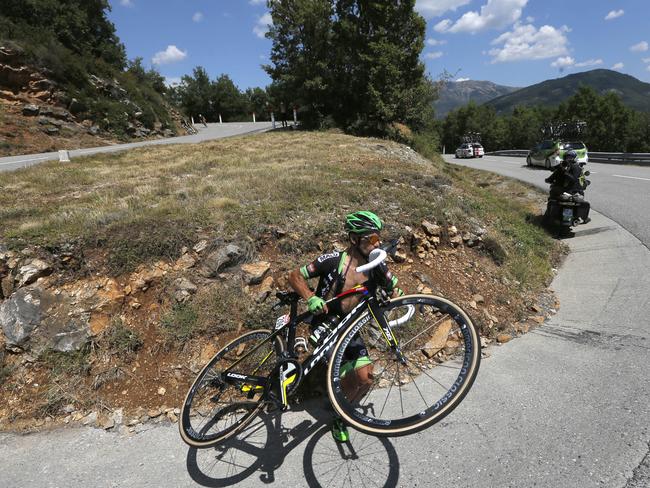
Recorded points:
(549,153)
(466,150)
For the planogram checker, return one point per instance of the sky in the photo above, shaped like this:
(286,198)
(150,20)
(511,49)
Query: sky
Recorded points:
(509,42)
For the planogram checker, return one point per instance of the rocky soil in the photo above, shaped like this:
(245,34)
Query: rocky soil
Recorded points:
(37,115)
(46,307)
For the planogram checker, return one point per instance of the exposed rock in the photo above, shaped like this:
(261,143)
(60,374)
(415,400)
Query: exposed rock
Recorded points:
(478,298)
(90,419)
(438,340)
(200,246)
(76,106)
(503,338)
(431,229)
(93,130)
(222,258)
(183,289)
(265,289)
(31,110)
(254,272)
(186,261)
(19,316)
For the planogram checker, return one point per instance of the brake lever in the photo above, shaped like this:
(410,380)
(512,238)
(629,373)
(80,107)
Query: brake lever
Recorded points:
(390,247)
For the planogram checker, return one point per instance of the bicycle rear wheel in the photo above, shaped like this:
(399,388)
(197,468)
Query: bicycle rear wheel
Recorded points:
(216,409)
(407,392)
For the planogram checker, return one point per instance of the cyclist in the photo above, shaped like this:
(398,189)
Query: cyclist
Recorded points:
(337,272)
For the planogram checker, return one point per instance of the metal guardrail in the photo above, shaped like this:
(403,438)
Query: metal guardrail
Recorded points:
(641,159)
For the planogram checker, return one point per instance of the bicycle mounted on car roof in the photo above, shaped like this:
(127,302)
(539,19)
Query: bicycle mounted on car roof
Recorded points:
(425,349)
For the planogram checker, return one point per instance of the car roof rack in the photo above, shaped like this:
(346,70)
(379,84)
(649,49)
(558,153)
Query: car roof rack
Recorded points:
(564,129)
(471,137)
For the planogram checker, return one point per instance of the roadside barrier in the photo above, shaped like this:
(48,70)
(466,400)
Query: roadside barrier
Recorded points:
(641,159)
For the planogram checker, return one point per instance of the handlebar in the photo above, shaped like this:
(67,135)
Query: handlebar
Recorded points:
(377,256)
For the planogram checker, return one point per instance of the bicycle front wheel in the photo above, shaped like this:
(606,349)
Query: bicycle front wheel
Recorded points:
(405,389)
(217,408)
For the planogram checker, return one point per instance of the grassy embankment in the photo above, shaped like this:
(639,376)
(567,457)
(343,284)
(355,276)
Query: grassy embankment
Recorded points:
(286,192)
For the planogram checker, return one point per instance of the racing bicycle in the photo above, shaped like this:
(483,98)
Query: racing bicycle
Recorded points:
(425,352)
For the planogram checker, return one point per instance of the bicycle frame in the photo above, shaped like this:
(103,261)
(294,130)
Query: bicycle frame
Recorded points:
(369,304)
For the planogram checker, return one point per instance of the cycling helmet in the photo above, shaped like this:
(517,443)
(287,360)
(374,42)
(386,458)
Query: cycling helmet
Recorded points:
(570,156)
(362,222)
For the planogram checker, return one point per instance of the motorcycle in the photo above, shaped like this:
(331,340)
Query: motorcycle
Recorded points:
(565,211)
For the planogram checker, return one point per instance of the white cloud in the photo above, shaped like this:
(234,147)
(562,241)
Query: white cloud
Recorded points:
(435,42)
(433,8)
(525,42)
(434,55)
(257,2)
(458,80)
(563,62)
(647,68)
(495,14)
(618,66)
(589,62)
(197,17)
(530,19)
(170,55)
(646,60)
(567,62)
(640,47)
(614,13)
(442,26)
(126,3)
(262,26)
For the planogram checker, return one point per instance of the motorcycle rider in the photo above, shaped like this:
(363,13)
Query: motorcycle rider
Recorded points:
(568,178)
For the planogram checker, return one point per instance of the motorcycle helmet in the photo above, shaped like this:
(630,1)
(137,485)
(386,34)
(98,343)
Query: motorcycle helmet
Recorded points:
(570,156)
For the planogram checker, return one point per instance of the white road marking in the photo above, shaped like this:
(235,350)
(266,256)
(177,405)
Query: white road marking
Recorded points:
(632,177)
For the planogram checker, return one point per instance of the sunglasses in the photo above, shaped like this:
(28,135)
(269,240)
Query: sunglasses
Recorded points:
(372,239)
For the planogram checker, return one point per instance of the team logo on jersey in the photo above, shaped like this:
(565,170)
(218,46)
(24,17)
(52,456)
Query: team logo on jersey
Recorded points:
(325,257)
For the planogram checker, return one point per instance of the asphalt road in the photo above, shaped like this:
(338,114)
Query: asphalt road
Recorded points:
(621,192)
(567,405)
(212,131)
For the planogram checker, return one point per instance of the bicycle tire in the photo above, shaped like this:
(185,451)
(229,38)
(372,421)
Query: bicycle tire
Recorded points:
(214,411)
(441,349)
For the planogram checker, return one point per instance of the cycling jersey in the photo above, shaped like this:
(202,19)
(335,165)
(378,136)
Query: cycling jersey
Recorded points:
(329,269)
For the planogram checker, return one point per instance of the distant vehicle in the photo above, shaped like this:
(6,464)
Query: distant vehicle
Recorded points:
(478,150)
(466,150)
(577,146)
(550,153)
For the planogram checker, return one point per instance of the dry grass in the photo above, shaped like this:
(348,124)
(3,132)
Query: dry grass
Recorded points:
(148,203)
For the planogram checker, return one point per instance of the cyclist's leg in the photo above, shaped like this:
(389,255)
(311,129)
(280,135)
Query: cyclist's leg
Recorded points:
(357,372)
(415,385)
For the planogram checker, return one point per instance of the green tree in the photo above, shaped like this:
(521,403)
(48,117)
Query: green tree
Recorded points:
(354,63)
(301,56)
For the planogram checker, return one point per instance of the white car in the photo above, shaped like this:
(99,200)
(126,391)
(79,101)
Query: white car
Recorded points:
(465,151)
(478,150)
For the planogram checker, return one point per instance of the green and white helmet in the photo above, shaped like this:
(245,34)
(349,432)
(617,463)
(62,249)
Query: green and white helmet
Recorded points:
(362,222)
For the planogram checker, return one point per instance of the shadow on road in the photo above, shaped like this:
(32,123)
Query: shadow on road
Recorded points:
(261,449)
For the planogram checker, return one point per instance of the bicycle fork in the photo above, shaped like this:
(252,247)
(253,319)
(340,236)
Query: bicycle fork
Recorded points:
(387,332)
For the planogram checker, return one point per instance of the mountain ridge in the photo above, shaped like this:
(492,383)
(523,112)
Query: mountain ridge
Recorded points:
(633,92)
(454,94)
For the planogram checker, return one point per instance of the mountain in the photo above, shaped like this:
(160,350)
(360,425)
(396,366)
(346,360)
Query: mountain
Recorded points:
(455,94)
(634,93)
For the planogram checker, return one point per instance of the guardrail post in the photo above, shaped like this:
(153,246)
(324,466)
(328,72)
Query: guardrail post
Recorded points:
(64,156)
(272,120)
